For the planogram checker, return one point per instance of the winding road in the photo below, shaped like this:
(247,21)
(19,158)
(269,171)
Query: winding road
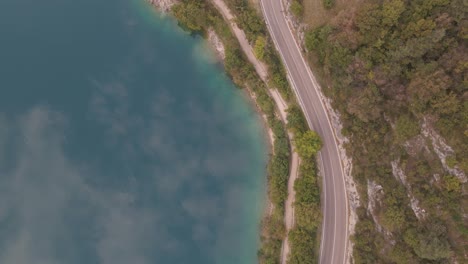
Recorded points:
(335,238)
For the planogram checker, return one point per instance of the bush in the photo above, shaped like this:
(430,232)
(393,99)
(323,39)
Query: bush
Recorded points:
(296,120)
(328,4)
(297,9)
(452,184)
(191,15)
(429,242)
(406,127)
(307,144)
(259,48)
(302,242)
(451,161)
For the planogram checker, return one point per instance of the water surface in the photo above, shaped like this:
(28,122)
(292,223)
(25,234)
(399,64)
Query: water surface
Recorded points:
(121,141)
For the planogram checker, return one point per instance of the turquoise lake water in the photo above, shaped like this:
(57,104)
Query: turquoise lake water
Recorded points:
(121,141)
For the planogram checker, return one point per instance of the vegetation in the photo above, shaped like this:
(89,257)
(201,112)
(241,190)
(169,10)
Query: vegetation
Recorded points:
(328,3)
(259,48)
(391,66)
(244,75)
(307,211)
(191,15)
(307,206)
(296,121)
(406,127)
(296,8)
(251,22)
(307,144)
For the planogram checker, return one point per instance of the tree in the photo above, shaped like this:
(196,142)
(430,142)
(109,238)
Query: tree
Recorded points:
(391,11)
(424,86)
(429,242)
(317,40)
(191,15)
(445,103)
(308,144)
(366,105)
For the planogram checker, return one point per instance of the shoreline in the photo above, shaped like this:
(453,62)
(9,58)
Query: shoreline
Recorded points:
(276,216)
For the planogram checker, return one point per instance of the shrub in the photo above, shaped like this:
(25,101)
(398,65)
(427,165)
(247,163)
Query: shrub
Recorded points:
(297,9)
(259,48)
(406,128)
(307,144)
(328,4)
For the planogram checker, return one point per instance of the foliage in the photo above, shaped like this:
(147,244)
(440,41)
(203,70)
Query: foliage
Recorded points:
(191,15)
(388,67)
(247,18)
(451,183)
(307,212)
(259,48)
(296,120)
(307,206)
(451,161)
(316,40)
(328,4)
(406,128)
(307,144)
(307,200)
(301,241)
(297,9)
(429,242)
(197,16)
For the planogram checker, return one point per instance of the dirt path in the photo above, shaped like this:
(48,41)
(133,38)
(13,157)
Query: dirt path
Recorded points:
(282,106)
(260,67)
(293,175)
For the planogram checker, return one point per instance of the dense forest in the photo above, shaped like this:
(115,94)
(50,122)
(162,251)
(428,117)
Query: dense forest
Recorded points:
(396,71)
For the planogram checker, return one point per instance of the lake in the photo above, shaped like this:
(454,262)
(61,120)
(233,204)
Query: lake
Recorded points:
(121,141)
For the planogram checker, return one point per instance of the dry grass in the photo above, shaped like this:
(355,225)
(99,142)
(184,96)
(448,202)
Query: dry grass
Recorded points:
(315,14)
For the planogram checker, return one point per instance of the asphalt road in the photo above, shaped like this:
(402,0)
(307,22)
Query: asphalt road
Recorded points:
(334,201)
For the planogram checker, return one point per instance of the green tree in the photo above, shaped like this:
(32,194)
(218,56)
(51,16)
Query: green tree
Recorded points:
(191,15)
(308,144)
(391,11)
(317,40)
(429,242)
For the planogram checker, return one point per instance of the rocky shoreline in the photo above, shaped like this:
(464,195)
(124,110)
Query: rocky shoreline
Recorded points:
(163,5)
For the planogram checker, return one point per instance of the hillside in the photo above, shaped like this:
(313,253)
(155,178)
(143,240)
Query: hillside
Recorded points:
(397,72)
